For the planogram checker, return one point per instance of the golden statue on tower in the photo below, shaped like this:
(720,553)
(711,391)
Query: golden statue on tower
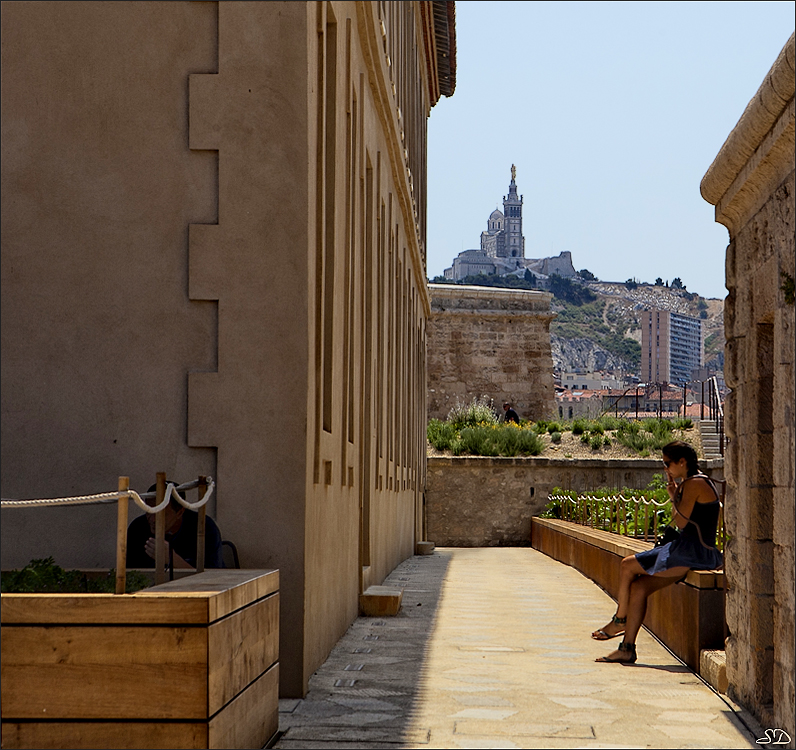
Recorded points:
(513,172)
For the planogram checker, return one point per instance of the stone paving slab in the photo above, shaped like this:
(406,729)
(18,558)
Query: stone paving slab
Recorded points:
(491,648)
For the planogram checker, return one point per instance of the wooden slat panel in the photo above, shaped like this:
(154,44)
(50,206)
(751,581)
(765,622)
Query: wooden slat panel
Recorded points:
(101,609)
(252,718)
(102,735)
(104,672)
(614,544)
(225,590)
(240,648)
(196,599)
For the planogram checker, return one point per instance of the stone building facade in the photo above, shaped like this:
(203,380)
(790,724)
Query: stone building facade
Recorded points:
(751,183)
(671,347)
(213,262)
(491,342)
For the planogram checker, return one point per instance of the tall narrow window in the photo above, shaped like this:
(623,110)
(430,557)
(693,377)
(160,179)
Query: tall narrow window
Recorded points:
(329,216)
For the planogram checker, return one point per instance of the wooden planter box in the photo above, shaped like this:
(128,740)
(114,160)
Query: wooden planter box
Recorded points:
(188,664)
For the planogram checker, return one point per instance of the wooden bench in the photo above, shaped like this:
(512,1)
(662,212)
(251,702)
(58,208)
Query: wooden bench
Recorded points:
(688,616)
(192,663)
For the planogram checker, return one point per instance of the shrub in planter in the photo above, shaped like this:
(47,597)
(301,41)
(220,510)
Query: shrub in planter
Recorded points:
(478,411)
(441,435)
(579,426)
(45,577)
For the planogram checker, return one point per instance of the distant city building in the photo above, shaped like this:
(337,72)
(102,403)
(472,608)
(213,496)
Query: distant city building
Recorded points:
(592,381)
(502,248)
(671,347)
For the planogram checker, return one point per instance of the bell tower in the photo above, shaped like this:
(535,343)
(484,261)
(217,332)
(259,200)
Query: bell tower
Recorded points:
(512,209)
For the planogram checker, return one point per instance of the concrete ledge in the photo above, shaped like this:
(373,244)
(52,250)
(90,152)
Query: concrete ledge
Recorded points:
(424,548)
(713,669)
(687,617)
(380,601)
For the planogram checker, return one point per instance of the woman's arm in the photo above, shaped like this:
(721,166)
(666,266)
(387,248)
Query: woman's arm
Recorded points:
(692,493)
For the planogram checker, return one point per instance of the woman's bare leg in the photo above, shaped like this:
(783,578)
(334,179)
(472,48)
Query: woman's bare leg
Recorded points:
(640,590)
(639,593)
(629,570)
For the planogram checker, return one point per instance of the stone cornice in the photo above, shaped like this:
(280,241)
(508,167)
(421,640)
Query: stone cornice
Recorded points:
(758,153)
(457,299)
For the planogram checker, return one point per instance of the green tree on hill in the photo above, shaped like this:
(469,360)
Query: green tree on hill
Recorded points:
(570,291)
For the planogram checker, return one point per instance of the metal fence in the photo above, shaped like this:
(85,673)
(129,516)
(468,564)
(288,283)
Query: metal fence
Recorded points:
(635,517)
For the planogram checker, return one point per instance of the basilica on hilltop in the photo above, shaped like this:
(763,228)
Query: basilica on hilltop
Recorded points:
(502,248)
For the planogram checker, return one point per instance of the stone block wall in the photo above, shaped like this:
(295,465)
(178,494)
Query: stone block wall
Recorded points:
(751,183)
(489,502)
(490,342)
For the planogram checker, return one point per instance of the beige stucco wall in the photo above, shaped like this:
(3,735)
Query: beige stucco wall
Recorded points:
(491,342)
(751,183)
(98,332)
(488,502)
(213,262)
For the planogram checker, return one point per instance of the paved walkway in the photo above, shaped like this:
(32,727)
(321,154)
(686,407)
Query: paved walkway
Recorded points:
(492,649)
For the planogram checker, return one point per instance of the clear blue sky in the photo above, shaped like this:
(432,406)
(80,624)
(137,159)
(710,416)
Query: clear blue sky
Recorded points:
(612,113)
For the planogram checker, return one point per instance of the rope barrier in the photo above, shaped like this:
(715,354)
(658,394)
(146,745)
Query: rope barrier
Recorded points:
(111,497)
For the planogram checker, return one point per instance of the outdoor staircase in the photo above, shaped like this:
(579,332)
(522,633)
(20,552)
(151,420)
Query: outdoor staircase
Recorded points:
(711,447)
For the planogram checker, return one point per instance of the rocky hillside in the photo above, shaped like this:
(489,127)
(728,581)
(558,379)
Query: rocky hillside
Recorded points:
(605,334)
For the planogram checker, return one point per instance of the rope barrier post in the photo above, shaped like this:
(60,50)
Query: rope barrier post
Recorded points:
(160,531)
(121,535)
(200,527)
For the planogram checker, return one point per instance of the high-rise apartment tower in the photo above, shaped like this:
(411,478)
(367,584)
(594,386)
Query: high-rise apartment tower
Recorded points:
(671,346)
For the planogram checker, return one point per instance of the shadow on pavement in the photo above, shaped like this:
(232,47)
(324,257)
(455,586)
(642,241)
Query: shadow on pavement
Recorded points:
(366,692)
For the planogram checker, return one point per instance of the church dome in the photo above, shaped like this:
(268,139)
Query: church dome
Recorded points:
(496,214)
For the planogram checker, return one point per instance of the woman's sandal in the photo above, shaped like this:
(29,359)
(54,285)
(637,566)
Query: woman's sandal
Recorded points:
(601,635)
(629,648)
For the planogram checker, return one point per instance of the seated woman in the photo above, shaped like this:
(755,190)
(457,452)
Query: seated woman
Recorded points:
(695,511)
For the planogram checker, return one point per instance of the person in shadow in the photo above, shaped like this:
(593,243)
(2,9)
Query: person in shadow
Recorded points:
(180,542)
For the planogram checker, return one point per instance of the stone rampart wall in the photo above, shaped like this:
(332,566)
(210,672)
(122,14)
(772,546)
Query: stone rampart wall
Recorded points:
(490,342)
(751,183)
(489,502)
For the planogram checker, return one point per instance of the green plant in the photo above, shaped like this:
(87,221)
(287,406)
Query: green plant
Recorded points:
(441,435)
(596,442)
(555,437)
(596,428)
(500,441)
(478,411)
(584,438)
(554,427)
(607,441)
(788,287)
(610,423)
(43,576)
(579,426)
